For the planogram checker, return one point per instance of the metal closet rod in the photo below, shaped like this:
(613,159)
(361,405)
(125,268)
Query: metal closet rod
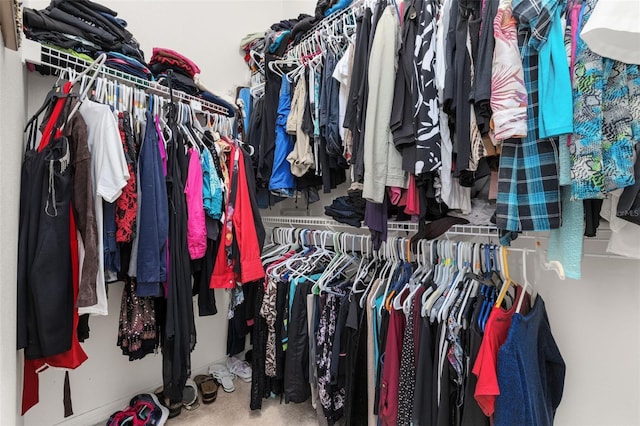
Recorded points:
(39,54)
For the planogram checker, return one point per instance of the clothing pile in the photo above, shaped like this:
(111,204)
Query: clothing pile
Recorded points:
(83,26)
(186,76)
(128,65)
(349,209)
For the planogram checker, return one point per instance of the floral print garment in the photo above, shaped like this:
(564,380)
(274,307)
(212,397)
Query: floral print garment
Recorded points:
(508,92)
(331,395)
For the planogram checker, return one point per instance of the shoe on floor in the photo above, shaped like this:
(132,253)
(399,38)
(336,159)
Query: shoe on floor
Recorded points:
(143,410)
(174,408)
(240,368)
(208,387)
(224,377)
(190,396)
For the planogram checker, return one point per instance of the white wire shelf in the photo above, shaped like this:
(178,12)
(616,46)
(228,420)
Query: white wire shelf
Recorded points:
(57,60)
(523,243)
(393,226)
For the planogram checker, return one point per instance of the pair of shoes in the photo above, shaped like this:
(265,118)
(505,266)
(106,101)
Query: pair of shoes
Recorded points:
(143,410)
(223,376)
(239,368)
(208,387)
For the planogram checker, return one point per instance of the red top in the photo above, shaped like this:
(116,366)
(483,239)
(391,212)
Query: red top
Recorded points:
(251,268)
(390,381)
(485,367)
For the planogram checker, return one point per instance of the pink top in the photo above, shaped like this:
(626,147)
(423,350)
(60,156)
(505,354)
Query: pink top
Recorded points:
(413,200)
(508,91)
(196,227)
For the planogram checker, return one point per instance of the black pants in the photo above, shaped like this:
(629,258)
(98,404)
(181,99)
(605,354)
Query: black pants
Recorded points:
(45,287)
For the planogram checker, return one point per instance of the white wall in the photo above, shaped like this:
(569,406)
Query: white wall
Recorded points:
(12,119)
(596,324)
(206,31)
(595,320)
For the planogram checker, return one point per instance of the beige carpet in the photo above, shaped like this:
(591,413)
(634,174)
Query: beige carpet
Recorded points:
(233,409)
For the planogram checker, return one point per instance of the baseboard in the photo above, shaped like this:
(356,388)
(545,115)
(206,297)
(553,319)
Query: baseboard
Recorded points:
(99,415)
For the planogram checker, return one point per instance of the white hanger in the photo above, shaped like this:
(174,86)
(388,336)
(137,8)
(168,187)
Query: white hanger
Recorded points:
(386,254)
(526,284)
(92,70)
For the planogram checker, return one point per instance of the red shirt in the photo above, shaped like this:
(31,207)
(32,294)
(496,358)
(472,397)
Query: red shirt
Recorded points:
(485,367)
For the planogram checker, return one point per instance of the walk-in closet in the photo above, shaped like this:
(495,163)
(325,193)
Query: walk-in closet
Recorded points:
(331,212)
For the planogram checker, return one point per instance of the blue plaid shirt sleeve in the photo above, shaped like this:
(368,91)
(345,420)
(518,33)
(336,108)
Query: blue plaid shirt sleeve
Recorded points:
(537,15)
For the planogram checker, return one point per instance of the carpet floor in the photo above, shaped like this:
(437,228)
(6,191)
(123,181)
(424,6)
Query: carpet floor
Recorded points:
(233,409)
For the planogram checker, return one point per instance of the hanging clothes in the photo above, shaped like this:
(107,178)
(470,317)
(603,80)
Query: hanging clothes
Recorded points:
(427,130)
(153,232)
(301,157)
(241,264)
(179,333)
(83,209)
(266,148)
(110,175)
(598,168)
(529,354)
(282,181)
(356,103)
(529,163)
(196,227)
(46,167)
(383,162)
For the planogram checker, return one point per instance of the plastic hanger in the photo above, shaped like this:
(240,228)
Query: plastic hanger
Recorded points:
(363,267)
(92,70)
(386,270)
(428,278)
(526,284)
(336,267)
(393,270)
(470,284)
(439,280)
(414,280)
(507,279)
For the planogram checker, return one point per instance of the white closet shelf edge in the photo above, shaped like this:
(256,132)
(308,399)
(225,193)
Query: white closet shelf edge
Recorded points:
(393,226)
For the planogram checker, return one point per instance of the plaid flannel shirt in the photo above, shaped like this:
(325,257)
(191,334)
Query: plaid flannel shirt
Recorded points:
(528,189)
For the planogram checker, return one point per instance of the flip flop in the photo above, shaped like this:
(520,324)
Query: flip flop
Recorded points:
(208,387)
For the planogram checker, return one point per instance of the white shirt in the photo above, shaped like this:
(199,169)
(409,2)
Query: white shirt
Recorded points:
(109,173)
(342,74)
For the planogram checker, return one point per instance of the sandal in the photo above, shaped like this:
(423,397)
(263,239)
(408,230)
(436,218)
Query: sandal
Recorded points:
(208,387)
